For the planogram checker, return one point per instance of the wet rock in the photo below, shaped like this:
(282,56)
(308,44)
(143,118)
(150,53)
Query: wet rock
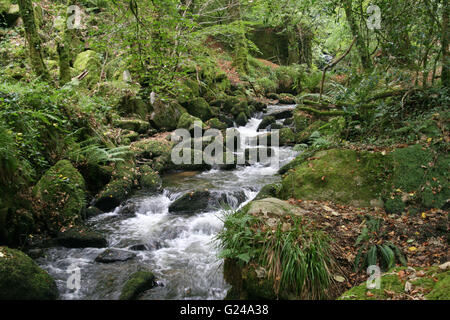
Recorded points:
(138,247)
(232,199)
(22,279)
(193,202)
(138,283)
(114,255)
(283,114)
(267,121)
(62,189)
(92,212)
(129,209)
(81,237)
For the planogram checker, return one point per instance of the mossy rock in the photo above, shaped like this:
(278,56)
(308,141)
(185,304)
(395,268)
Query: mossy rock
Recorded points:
(130,105)
(138,283)
(433,283)
(342,176)
(81,237)
(120,188)
(266,121)
(269,191)
(152,148)
(88,61)
(286,98)
(165,115)
(136,125)
(188,121)
(215,123)
(199,108)
(22,279)
(241,119)
(62,189)
(287,137)
(149,179)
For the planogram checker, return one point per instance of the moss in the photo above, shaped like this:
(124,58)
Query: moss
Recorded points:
(187,122)
(287,137)
(81,237)
(198,107)
(301,121)
(88,61)
(165,116)
(137,125)
(138,283)
(215,123)
(241,119)
(304,135)
(149,179)
(344,176)
(62,189)
(434,284)
(419,170)
(269,191)
(395,205)
(22,279)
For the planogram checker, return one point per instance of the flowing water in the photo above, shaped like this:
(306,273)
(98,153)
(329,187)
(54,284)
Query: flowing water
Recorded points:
(180,250)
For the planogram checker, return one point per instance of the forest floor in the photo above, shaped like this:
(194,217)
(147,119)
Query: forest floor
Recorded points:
(422,238)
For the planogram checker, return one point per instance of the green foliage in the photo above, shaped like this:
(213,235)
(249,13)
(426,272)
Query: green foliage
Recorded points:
(372,250)
(93,154)
(297,259)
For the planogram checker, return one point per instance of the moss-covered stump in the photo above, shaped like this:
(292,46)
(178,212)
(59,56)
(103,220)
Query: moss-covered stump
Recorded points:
(199,108)
(62,190)
(81,237)
(431,283)
(138,283)
(22,279)
(88,61)
(165,115)
(342,176)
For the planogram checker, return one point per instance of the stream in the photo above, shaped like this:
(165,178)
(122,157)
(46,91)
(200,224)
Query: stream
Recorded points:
(179,249)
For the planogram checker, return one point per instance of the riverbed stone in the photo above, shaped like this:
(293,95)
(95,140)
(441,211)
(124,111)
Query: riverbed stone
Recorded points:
(22,279)
(114,255)
(273,206)
(81,237)
(192,202)
(138,283)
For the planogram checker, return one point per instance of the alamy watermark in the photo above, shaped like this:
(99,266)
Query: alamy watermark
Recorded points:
(374,281)
(74,280)
(374,20)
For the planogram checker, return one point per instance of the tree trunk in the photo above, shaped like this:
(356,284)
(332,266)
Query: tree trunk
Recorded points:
(64,54)
(241,49)
(33,39)
(363,51)
(445,43)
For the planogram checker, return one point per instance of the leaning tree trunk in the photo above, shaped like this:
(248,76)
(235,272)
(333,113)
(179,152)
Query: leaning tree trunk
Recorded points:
(445,43)
(363,51)
(33,39)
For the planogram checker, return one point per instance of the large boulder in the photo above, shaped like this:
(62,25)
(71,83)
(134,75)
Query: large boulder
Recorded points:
(124,180)
(342,176)
(88,61)
(193,202)
(199,108)
(22,279)
(267,121)
(62,190)
(165,115)
(188,122)
(138,283)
